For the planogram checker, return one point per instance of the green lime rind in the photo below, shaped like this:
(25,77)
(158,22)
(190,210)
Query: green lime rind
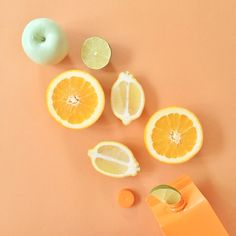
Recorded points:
(166,194)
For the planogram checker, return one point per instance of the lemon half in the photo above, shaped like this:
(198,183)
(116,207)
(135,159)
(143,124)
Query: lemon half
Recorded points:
(127,98)
(113,159)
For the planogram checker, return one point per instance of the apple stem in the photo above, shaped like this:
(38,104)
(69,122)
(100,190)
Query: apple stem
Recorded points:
(39,38)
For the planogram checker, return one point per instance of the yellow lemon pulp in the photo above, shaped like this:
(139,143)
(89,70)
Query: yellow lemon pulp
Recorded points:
(75,99)
(173,135)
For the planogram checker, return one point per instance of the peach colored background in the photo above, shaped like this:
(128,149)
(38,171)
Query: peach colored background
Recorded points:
(183,52)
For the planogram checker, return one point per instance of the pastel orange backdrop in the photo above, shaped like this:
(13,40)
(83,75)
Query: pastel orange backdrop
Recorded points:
(182,52)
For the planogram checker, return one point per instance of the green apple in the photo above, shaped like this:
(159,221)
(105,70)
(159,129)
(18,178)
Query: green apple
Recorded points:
(44,42)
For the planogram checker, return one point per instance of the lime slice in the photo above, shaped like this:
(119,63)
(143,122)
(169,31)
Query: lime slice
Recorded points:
(166,194)
(95,53)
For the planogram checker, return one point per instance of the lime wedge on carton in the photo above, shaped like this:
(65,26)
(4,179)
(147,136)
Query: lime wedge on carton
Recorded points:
(166,194)
(95,53)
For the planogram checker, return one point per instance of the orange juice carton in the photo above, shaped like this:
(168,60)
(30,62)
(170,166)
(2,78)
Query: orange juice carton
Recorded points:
(181,210)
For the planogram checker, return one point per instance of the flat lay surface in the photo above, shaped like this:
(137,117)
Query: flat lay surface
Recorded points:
(183,53)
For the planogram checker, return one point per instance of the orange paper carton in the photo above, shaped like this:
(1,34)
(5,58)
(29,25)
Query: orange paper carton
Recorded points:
(192,216)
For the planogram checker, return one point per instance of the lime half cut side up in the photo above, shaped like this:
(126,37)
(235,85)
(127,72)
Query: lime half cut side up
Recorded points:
(95,53)
(166,194)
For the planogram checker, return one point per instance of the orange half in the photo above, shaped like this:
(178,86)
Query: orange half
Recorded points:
(75,99)
(173,135)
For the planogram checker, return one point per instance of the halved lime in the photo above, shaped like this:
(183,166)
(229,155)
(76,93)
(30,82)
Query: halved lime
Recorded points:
(166,194)
(95,53)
